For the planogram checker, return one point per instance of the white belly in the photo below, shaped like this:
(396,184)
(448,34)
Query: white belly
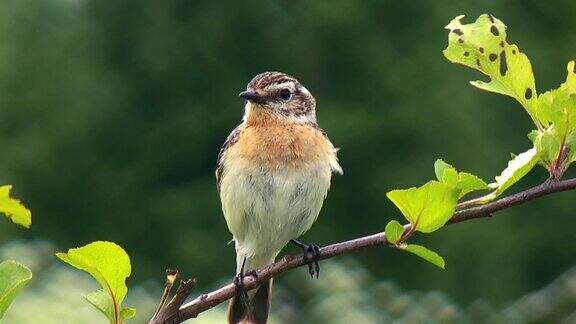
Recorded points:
(266,208)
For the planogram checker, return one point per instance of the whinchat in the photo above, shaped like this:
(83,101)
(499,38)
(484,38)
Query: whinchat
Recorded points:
(273,174)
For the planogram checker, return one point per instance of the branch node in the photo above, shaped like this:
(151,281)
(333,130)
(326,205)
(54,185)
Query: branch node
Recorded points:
(168,312)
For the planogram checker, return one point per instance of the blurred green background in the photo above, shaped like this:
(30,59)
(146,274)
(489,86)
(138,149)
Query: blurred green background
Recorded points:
(112,114)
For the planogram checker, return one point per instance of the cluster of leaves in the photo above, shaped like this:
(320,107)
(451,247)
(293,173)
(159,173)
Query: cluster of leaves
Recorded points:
(107,262)
(483,46)
(13,275)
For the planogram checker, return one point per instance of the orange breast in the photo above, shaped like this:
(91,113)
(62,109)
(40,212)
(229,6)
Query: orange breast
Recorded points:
(281,145)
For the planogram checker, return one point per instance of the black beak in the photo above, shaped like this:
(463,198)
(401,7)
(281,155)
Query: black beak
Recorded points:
(252,96)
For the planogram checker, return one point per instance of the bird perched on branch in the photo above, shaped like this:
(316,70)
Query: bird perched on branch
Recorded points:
(273,173)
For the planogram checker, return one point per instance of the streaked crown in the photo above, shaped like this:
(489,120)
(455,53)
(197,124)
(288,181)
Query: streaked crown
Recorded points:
(282,94)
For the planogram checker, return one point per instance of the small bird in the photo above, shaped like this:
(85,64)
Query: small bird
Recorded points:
(273,174)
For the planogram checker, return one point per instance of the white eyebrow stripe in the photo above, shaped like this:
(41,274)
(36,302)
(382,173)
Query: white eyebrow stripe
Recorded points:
(290,85)
(305,91)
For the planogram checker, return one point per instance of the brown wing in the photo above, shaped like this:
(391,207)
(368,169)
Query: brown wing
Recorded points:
(231,140)
(337,170)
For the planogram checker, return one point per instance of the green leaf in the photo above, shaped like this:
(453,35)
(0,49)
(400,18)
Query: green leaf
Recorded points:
(102,300)
(548,143)
(463,181)
(13,209)
(558,107)
(482,45)
(425,254)
(428,207)
(557,112)
(127,312)
(393,231)
(109,264)
(469,183)
(13,277)
(571,145)
(439,167)
(517,168)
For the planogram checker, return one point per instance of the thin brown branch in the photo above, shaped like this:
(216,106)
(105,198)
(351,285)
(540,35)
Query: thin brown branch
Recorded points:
(211,299)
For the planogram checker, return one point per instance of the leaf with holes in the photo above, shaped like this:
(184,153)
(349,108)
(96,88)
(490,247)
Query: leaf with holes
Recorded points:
(462,181)
(13,209)
(13,277)
(482,45)
(109,264)
(428,207)
(425,254)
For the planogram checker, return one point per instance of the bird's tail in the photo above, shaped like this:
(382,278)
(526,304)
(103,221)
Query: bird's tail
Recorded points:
(256,310)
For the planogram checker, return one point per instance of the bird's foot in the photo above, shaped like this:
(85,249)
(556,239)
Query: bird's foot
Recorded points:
(311,257)
(241,290)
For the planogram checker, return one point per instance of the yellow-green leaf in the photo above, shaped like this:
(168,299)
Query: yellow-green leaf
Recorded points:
(482,45)
(548,143)
(517,168)
(13,277)
(557,112)
(13,209)
(104,303)
(393,231)
(102,300)
(109,264)
(463,181)
(425,254)
(428,207)
(127,312)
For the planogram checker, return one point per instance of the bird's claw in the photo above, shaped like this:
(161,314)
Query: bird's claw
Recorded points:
(314,251)
(312,261)
(241,291)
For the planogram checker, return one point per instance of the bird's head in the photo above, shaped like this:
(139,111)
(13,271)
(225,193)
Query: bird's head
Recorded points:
(281,96)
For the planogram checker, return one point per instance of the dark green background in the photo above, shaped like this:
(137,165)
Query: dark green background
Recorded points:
(112,114)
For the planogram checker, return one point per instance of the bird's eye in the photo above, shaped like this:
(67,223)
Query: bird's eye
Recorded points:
(285,94)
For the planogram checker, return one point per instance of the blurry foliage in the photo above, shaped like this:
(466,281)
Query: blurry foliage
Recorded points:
(13,208)
(55,295)
(112,114)
(13,277)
